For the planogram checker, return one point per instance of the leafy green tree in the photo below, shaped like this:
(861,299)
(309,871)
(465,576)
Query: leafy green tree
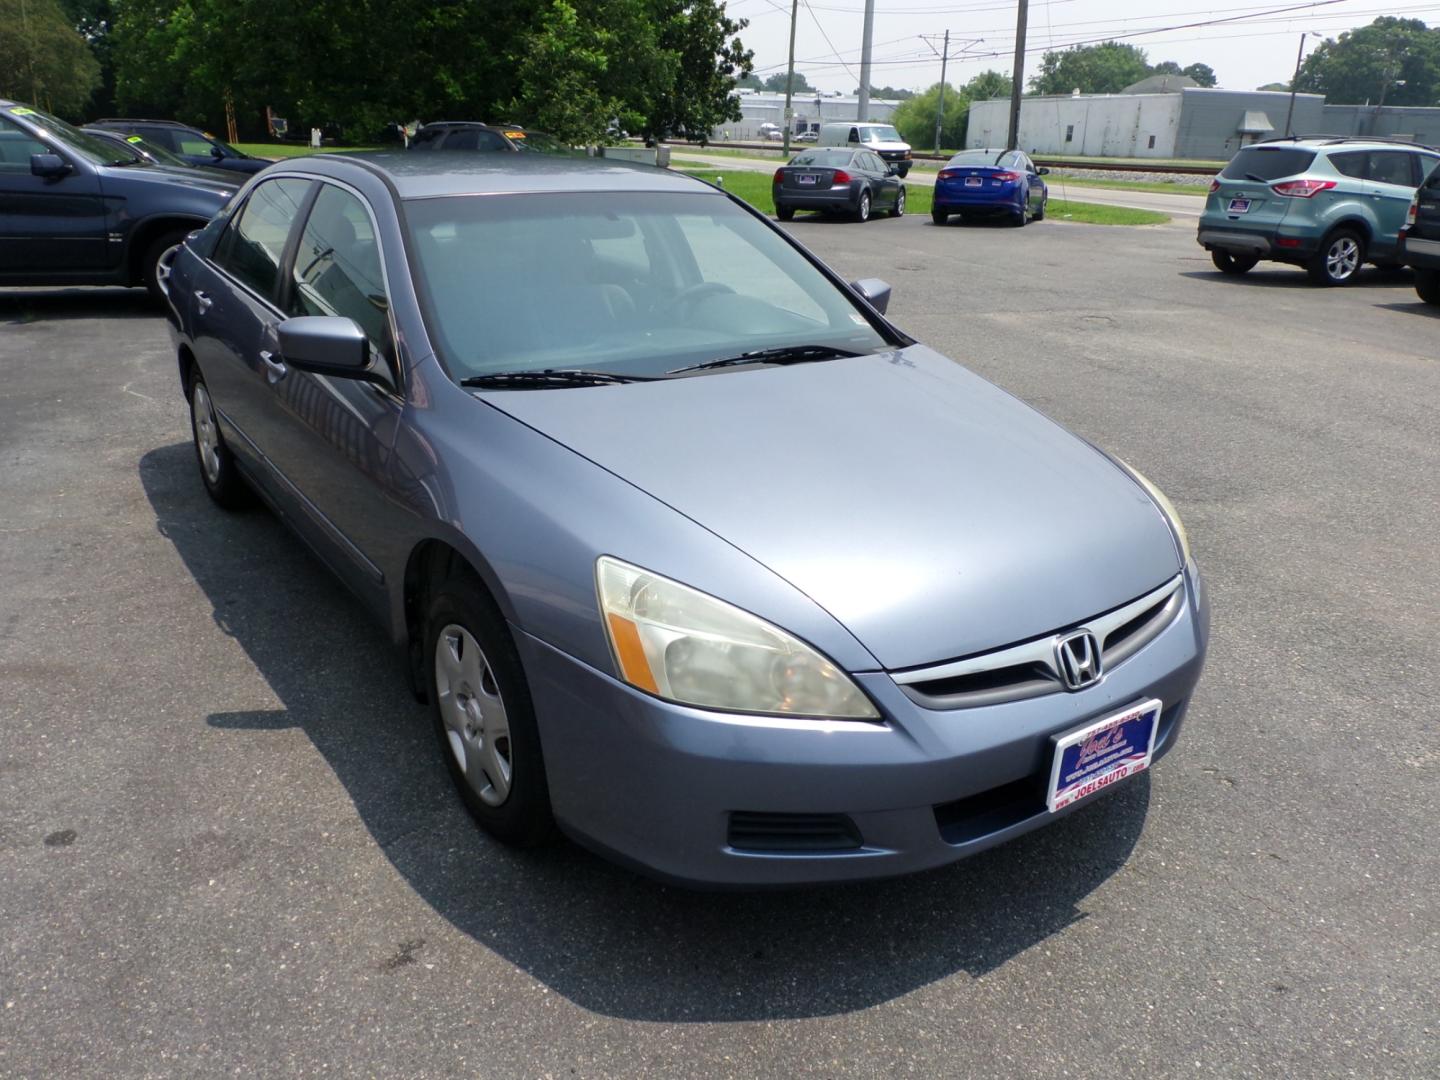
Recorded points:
(43,60)
(915,118)
(776,83)
(1275,86)
(888,93)
(1395,61)
(987,86)
(1166,67)
(1106,68)
(1203,74)
(92,20)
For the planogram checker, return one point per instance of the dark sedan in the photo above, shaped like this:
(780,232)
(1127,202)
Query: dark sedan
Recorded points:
(192,144)
(989,182)
(693,553)
(840,180)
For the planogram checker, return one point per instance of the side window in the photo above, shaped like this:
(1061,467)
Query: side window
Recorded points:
(1429,171)
(187,142)
(16,146)
(254,242)
(337,267)
(427,140)
(159,136)
(1351,164)
(1391,167)
(854,135)
(475,139)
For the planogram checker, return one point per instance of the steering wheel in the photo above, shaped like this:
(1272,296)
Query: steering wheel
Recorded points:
(686,297)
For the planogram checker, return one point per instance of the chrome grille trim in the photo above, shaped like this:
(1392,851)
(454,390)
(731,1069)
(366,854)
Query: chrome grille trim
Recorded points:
(1037,670)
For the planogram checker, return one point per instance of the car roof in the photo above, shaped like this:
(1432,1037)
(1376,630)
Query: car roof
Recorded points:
(141,120)
(423,176)
(1340,142)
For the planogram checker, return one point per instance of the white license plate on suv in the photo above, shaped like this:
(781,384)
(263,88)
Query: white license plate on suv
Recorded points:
(1239,206)
(1102,753)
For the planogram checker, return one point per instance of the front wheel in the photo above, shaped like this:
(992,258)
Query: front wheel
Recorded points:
(152,271)
(483,717)
(217,465)
(785,213)
(899,208)
(862,211)
(1427,286)
(1040,213)
(1339,259)
(1234,265)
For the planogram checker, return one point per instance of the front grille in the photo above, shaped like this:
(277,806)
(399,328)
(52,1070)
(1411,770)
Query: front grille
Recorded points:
(792,833)
(1029,669)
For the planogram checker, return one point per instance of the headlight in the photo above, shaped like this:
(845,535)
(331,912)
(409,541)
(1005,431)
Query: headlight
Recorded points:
(687,647)
(1166,507)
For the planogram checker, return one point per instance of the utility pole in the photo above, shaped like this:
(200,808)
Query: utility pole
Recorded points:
(940,115)
(790,77)
(867,40)
(1022,20)
(1290,112)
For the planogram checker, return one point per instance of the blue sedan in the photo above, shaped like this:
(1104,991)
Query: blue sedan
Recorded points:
(990,182)
(695,556)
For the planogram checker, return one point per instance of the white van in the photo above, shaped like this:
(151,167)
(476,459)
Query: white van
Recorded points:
(881,138)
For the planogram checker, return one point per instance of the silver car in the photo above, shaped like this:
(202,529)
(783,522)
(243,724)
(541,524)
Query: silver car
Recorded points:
(693,554)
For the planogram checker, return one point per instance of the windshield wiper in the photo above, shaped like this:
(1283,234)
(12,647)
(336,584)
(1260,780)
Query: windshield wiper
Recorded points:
(539,380)
(785,354)
(1257,179)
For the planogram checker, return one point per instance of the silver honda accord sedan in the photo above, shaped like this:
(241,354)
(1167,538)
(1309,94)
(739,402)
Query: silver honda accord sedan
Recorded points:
(695,556)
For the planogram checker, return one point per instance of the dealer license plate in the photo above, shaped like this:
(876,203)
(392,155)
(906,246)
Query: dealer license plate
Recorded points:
(1092,758)
(974,181)
(806,178)
(1239,206)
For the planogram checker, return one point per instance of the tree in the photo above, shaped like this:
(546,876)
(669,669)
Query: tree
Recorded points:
(888,93)
(92,20)
(1395,61)
(1106,68)
(1275,86)
(987,86)
(43,60)
(915,118)
(1167,67)
(1203,74)
(776,83)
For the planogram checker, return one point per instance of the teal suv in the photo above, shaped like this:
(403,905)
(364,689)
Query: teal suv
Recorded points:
(1328,204)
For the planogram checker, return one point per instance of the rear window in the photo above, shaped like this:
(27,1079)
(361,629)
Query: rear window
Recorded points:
(976,157)
(1268,163)
(830,158)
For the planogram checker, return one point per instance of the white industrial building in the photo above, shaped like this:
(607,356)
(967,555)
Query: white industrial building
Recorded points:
(759,108)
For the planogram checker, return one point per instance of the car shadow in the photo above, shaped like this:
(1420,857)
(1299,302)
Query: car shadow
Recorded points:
(1416,307)
(1280,276)
(612,942)
(46,304)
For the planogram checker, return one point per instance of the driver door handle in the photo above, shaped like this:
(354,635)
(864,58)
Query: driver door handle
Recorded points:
(202,302)
(275,367)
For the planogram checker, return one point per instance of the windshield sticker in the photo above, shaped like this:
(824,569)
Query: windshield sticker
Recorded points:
(514,134)
(21,110)
(133,139)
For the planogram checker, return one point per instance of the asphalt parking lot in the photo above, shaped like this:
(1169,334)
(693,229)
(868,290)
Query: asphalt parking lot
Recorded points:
(228,844)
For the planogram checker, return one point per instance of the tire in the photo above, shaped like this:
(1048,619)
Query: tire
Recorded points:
(785,213)
(1234,265)
(483,717)
(1019,220)
(898,210)
(1427,285)
(1339,259)
(150,261)
(939,217)
(1040,214)
(862,210)
(218,472)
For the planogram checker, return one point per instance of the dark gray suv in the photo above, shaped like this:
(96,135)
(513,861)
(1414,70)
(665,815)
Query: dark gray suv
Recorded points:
(78,210)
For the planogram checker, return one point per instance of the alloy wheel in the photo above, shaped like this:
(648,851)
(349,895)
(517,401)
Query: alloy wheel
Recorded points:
(477,725)
(207,434)
(1342,258)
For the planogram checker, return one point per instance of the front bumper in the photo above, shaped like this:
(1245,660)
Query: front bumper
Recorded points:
(654,785)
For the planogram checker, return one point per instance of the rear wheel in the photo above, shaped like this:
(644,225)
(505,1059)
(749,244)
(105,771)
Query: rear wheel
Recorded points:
(1235,265)
(1339,259)
(899,208)
(939,217)
(1427,286)
(1019,220)
(785,213)
(862,211)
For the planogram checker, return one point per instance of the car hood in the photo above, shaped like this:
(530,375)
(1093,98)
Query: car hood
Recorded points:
(166,176)
(930,512)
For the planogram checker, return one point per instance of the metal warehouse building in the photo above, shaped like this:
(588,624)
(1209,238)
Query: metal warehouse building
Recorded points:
(757,108)
(1188,122)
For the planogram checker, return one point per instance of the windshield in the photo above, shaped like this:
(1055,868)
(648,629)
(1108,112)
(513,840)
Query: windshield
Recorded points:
(880,133)
(94,150)
(630,283)
(976,157)
(1268,163)
(158,153)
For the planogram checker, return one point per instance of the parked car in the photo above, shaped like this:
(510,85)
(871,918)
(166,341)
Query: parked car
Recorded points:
(987,182)
(1326,203)
(157,155)
(807,137)
(1420,239)
(691,550)
(462,135)
(837,180)
(78,210)
(883,139)
(195,146)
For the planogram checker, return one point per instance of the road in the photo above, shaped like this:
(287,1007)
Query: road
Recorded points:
(228,844)
(1187,207)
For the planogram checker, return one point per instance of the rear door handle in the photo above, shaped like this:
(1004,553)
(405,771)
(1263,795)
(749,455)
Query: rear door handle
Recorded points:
(275,368)
(202,302)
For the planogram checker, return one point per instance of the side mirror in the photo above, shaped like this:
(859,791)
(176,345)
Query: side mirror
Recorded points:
(327,345)
(892,170)
(1042,171)
(50,166)
(874,291)
(216,152)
